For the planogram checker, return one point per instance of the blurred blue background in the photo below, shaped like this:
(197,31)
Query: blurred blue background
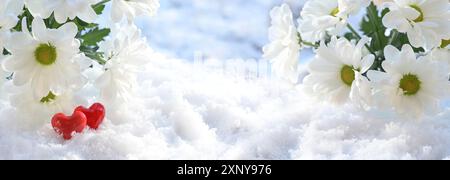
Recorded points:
(216,28)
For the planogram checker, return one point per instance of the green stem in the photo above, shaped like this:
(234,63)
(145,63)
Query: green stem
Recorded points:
(394,37)
(305,43)
(310,44)
(350,27)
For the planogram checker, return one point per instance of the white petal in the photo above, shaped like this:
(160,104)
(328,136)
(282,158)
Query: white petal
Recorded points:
(391,53)
(367,63)
(39,29)
(69,29)
(88,16)
(376,76)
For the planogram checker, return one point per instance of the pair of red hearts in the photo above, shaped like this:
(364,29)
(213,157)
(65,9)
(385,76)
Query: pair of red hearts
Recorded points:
(81,117)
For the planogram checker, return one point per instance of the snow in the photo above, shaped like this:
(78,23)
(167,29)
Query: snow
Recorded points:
(215,109)
(183,110)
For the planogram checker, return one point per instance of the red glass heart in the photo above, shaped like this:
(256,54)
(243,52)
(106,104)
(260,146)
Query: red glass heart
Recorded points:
(95,114)
(67,125)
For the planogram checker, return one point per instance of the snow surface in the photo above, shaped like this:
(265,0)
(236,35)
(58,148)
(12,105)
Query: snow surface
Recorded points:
(217,109)
(192,111)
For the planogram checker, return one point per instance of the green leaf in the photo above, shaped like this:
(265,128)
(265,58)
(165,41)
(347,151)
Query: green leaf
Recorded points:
(99,7)
(372,26)
(400,39)
(94,36)
(93,53)
(83,26)
(5,52)
(51,22)
(90,41)
(26,14)
(350,36)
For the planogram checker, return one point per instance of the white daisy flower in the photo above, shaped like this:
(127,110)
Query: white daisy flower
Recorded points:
(426,22)
(127,52)
(9,12)
(319,18)
(34,114)
(63,9)
(284,49)
(410,85)
(132,8)
(336,71)
(45,58)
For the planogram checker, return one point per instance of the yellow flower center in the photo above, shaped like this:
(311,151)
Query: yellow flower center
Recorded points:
(45,54)
(334,12)
(445,43)
(49,98)
(418,9)
(410,84)
(347,75)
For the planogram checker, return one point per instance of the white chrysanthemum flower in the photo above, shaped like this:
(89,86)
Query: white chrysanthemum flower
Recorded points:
(34,114)
(336,71)
(132,8)
(45,58)
(425,22)
(411,86)
(63,9)
(284,49)
(319,18)
(9,10)
(127,52)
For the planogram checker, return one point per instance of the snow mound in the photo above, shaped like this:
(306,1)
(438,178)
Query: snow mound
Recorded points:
(187,111)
